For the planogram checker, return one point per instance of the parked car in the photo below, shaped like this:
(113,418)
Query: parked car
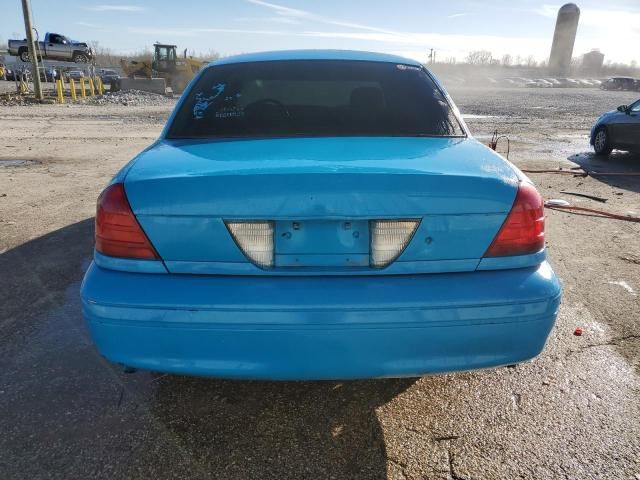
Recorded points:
(10,74)
(48,74)
(318,215)
(621,83)
(617,129)
(54,47)
(519,81)
(73,75)
(568,83)
(541,82)
(109,76)
(584,82)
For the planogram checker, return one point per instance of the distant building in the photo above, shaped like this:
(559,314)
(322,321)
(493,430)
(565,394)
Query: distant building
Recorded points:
(592,62)
(563,39)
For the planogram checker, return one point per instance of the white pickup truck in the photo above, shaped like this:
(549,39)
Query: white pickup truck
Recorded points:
(54,47)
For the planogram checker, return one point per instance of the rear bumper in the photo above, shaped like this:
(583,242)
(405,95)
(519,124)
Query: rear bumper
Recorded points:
(320,327)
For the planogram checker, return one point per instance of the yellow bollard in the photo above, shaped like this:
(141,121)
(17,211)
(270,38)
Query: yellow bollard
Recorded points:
(59,91)
(23,87)
(72,86)
(100,85)
(91,87)
(83,91)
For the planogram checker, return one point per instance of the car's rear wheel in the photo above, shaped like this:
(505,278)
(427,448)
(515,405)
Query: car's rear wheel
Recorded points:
(24,55)
(601,142)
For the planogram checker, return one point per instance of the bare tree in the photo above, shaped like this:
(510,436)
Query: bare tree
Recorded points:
(531,61)
(104,56)
(615,68)
(141,55)
(507,60)
(479,57)
(209,56)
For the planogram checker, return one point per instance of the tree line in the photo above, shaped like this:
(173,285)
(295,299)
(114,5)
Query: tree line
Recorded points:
(486,58)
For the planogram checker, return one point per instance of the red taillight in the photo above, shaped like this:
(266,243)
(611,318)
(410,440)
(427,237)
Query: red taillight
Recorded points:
(118,233)
(522,232)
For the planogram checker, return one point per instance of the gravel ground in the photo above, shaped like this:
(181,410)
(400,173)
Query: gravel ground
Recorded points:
(9,97)
(571,414)
(132,98)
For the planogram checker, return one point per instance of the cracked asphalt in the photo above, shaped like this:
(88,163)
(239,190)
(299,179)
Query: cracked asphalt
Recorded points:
(572,413)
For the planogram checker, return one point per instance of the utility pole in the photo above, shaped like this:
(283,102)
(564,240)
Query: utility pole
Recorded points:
(32,49)
(432,55)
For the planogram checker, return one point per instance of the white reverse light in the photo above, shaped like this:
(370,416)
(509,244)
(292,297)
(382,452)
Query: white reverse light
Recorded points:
(255,239)
(389,238)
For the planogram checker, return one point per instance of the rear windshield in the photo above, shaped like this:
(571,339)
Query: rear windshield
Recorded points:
(314,98)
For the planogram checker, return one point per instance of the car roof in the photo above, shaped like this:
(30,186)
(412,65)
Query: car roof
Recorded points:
(353,55)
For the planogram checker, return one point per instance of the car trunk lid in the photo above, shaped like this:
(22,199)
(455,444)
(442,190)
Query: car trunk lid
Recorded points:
(321,194)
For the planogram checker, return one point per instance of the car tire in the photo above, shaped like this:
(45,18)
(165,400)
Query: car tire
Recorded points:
(24,56)
(601,143)
(79,57)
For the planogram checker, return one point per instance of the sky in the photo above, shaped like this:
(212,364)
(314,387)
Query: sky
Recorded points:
(405,27)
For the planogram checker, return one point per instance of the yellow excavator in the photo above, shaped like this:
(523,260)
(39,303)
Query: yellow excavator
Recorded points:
(177,72)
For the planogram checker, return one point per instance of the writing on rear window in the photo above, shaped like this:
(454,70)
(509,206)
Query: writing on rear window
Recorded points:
(202,102)
(314,98)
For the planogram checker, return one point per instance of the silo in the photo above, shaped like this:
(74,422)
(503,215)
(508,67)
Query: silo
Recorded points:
(563,39)
(592,62)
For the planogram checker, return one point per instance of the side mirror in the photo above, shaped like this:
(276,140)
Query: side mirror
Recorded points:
(623,108)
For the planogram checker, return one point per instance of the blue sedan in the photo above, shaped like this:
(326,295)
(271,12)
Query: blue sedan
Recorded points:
(617,129)
(318,215)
